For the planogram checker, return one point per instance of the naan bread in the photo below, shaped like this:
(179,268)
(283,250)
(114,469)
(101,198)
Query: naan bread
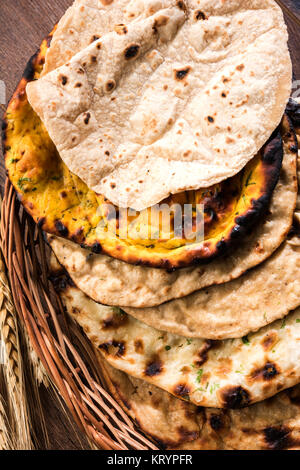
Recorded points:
(273,424)
(136,124)
(113,282)
(227,374)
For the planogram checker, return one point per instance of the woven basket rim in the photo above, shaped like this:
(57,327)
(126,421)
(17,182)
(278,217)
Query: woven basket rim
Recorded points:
(66,354)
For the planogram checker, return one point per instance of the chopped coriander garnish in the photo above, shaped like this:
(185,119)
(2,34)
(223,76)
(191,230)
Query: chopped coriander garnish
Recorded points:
(298,320)
(213,388)
(22,181)
(283,324)
(241,371)
(189,341)
(199,375)
(249,178)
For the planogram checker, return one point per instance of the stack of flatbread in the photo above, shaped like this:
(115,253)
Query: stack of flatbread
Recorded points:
(140,103)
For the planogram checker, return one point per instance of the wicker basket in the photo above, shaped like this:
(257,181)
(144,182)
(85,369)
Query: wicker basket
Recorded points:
(66,354)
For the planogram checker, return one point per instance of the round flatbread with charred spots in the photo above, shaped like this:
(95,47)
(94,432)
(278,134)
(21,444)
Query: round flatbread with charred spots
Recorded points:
(273,424)
(113,282)
(63,205)
(225,374)
(177,132)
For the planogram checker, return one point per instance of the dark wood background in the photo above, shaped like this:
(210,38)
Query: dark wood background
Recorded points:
(23,25)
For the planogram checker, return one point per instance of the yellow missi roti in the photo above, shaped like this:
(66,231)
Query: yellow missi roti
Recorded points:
(63,205)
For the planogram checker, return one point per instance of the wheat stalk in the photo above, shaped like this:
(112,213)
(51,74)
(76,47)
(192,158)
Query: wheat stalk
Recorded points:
(13,369)
(5,440)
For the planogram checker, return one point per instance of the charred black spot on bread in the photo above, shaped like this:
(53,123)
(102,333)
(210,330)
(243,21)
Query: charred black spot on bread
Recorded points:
(203,353)
(63,79)
(78,85)
(115,348)
(95,38)
(132,51)
(61,228)
(277,438)
(273,148)
(182,390)
(234,397)
(96,248)
(221,247)
(199,15)
(4,126)
(216,422)
(267,372)
(78,236)
(210,119)
(154,368)
(293,111)
(29,71)
(110,86)
(93,59)
(87,118)
(181,5)
(182,73)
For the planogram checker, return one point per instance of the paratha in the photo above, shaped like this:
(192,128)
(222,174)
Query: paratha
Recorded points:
(62,204)
(113,282)
(273,424)
(137,124)
(222,374)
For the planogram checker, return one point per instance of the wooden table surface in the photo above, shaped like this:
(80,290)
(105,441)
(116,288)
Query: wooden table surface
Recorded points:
(23,25)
